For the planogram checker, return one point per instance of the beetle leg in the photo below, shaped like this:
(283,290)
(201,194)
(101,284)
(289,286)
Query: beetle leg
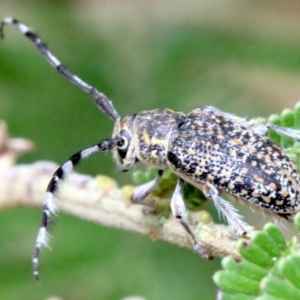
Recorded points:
(293,133)
(179,211)
(142,191)
(262,129)
(226,208)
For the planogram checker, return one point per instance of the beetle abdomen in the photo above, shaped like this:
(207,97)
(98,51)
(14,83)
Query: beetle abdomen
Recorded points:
(234,158)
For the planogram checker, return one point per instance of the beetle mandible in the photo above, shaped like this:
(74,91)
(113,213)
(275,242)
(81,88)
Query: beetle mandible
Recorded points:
(212,150)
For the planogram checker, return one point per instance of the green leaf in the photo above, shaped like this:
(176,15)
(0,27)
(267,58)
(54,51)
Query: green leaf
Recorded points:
(276,235)
(297,221)
(268,270)
(267,297)
(244,268)
(297,115)
(287,120)
(275,137)
(265,242)
(290,268)
(255,254)
(282,289)
(226,296)
(234,283)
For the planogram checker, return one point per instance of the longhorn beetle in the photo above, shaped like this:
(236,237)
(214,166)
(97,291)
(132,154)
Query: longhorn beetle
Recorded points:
(212,150)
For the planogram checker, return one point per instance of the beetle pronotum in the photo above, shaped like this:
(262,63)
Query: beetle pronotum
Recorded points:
(212,150)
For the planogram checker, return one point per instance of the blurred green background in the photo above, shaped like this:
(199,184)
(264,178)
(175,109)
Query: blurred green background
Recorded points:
(243,57)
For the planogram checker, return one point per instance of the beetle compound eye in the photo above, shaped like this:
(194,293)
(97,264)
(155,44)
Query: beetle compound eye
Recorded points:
(123,144)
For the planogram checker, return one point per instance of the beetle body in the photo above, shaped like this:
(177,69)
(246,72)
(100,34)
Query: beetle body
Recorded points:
(206,146)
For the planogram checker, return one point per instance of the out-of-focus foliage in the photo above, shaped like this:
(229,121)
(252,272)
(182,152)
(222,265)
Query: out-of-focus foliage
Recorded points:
(241,57)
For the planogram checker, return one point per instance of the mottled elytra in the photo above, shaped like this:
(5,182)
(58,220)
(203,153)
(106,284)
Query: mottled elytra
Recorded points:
(212,150)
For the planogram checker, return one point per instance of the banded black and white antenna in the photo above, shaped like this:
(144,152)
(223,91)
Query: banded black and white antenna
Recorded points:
(101,101)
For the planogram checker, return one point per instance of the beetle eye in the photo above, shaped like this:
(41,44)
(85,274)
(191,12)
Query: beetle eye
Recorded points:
(123,144)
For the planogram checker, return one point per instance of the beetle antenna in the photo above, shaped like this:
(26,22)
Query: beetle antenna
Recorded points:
(102,102)
(52,189)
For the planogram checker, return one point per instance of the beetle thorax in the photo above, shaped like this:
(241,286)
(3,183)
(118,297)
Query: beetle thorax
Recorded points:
(145,137)
(152,130)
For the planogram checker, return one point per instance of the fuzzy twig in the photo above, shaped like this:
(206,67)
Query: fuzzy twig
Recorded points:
(100,200)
